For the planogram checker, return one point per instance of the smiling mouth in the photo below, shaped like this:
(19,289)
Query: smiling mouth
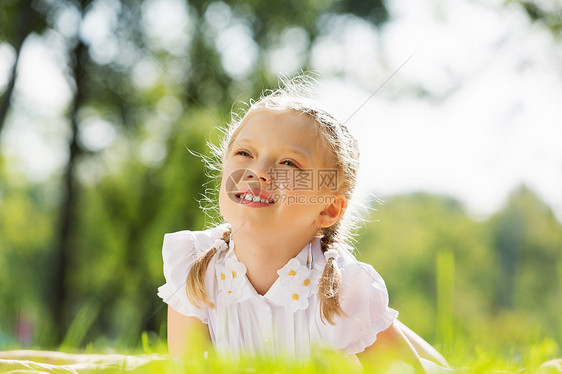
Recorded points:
(247,198)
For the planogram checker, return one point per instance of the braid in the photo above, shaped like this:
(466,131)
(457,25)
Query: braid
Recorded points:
(329,284)
(195,285)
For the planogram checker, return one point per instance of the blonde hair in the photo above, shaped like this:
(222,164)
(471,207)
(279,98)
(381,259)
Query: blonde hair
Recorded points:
(295,95)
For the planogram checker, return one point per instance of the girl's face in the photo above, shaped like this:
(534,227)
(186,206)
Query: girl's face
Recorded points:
(277,157)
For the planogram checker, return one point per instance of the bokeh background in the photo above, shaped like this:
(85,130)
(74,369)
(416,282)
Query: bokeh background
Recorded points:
(456,106)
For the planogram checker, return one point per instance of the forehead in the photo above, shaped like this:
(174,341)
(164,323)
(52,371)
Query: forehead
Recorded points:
(286,128)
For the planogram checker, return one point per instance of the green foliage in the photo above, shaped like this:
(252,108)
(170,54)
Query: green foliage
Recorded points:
(79,327)
(447,273)
(445,296)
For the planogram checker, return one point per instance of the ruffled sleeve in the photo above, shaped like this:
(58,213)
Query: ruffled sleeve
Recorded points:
(364,298)
(179,251)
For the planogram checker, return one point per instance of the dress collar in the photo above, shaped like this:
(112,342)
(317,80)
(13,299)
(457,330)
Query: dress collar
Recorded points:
(297,280)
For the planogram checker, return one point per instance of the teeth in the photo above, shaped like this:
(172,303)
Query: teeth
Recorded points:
(250,197)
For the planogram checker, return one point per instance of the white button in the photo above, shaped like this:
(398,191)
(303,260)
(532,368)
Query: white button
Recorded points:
(267,342)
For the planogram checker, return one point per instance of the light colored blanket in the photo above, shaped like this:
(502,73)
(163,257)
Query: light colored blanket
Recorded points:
(49,362)
(27,361)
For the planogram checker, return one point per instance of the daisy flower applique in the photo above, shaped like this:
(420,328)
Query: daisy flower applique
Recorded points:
(231,279)
(297,298)
(308,279)
(288,273)
(299,283)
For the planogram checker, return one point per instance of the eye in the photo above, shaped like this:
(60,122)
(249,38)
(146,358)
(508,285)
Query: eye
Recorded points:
(242,153)
(291,163)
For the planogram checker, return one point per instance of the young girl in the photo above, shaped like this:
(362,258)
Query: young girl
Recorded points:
(278,276)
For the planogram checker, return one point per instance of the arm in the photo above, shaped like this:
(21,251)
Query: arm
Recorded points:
(392,344)
(423,348)
(185,334)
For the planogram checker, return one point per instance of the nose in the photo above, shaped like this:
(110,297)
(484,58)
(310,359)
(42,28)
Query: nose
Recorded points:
(259,172)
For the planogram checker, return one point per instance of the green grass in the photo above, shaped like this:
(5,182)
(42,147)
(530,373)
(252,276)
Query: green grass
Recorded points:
(469,357)
(466,356)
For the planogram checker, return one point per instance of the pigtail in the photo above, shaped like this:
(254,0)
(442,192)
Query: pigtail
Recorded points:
(195,285)
(329,284)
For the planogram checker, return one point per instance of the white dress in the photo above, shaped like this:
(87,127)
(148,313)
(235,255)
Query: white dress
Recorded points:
(287,318)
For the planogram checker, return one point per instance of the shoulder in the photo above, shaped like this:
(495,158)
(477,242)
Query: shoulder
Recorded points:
(354,272)
(360,279)
(360,274)
(180,250)
(364,300)
(195,242)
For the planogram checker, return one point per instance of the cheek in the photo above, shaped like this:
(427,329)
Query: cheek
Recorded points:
(222,190)
(223,203)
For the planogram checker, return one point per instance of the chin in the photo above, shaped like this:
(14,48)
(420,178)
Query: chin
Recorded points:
(250,226)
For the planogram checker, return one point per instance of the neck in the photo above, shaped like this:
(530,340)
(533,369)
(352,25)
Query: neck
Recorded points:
(263,256)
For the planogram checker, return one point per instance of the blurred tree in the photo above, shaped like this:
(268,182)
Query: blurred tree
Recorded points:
(58,295)
(529,248)
(506,277)
(18,19)
(403,240)
(508,242)
(547,13)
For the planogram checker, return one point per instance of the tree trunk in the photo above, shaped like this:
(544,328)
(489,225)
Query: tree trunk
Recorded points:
(68,200)
(25,26)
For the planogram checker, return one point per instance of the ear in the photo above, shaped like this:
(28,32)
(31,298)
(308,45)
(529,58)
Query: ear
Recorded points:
(333,211)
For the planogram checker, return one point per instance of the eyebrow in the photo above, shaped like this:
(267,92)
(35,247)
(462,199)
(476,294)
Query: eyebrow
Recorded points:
(298,151)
